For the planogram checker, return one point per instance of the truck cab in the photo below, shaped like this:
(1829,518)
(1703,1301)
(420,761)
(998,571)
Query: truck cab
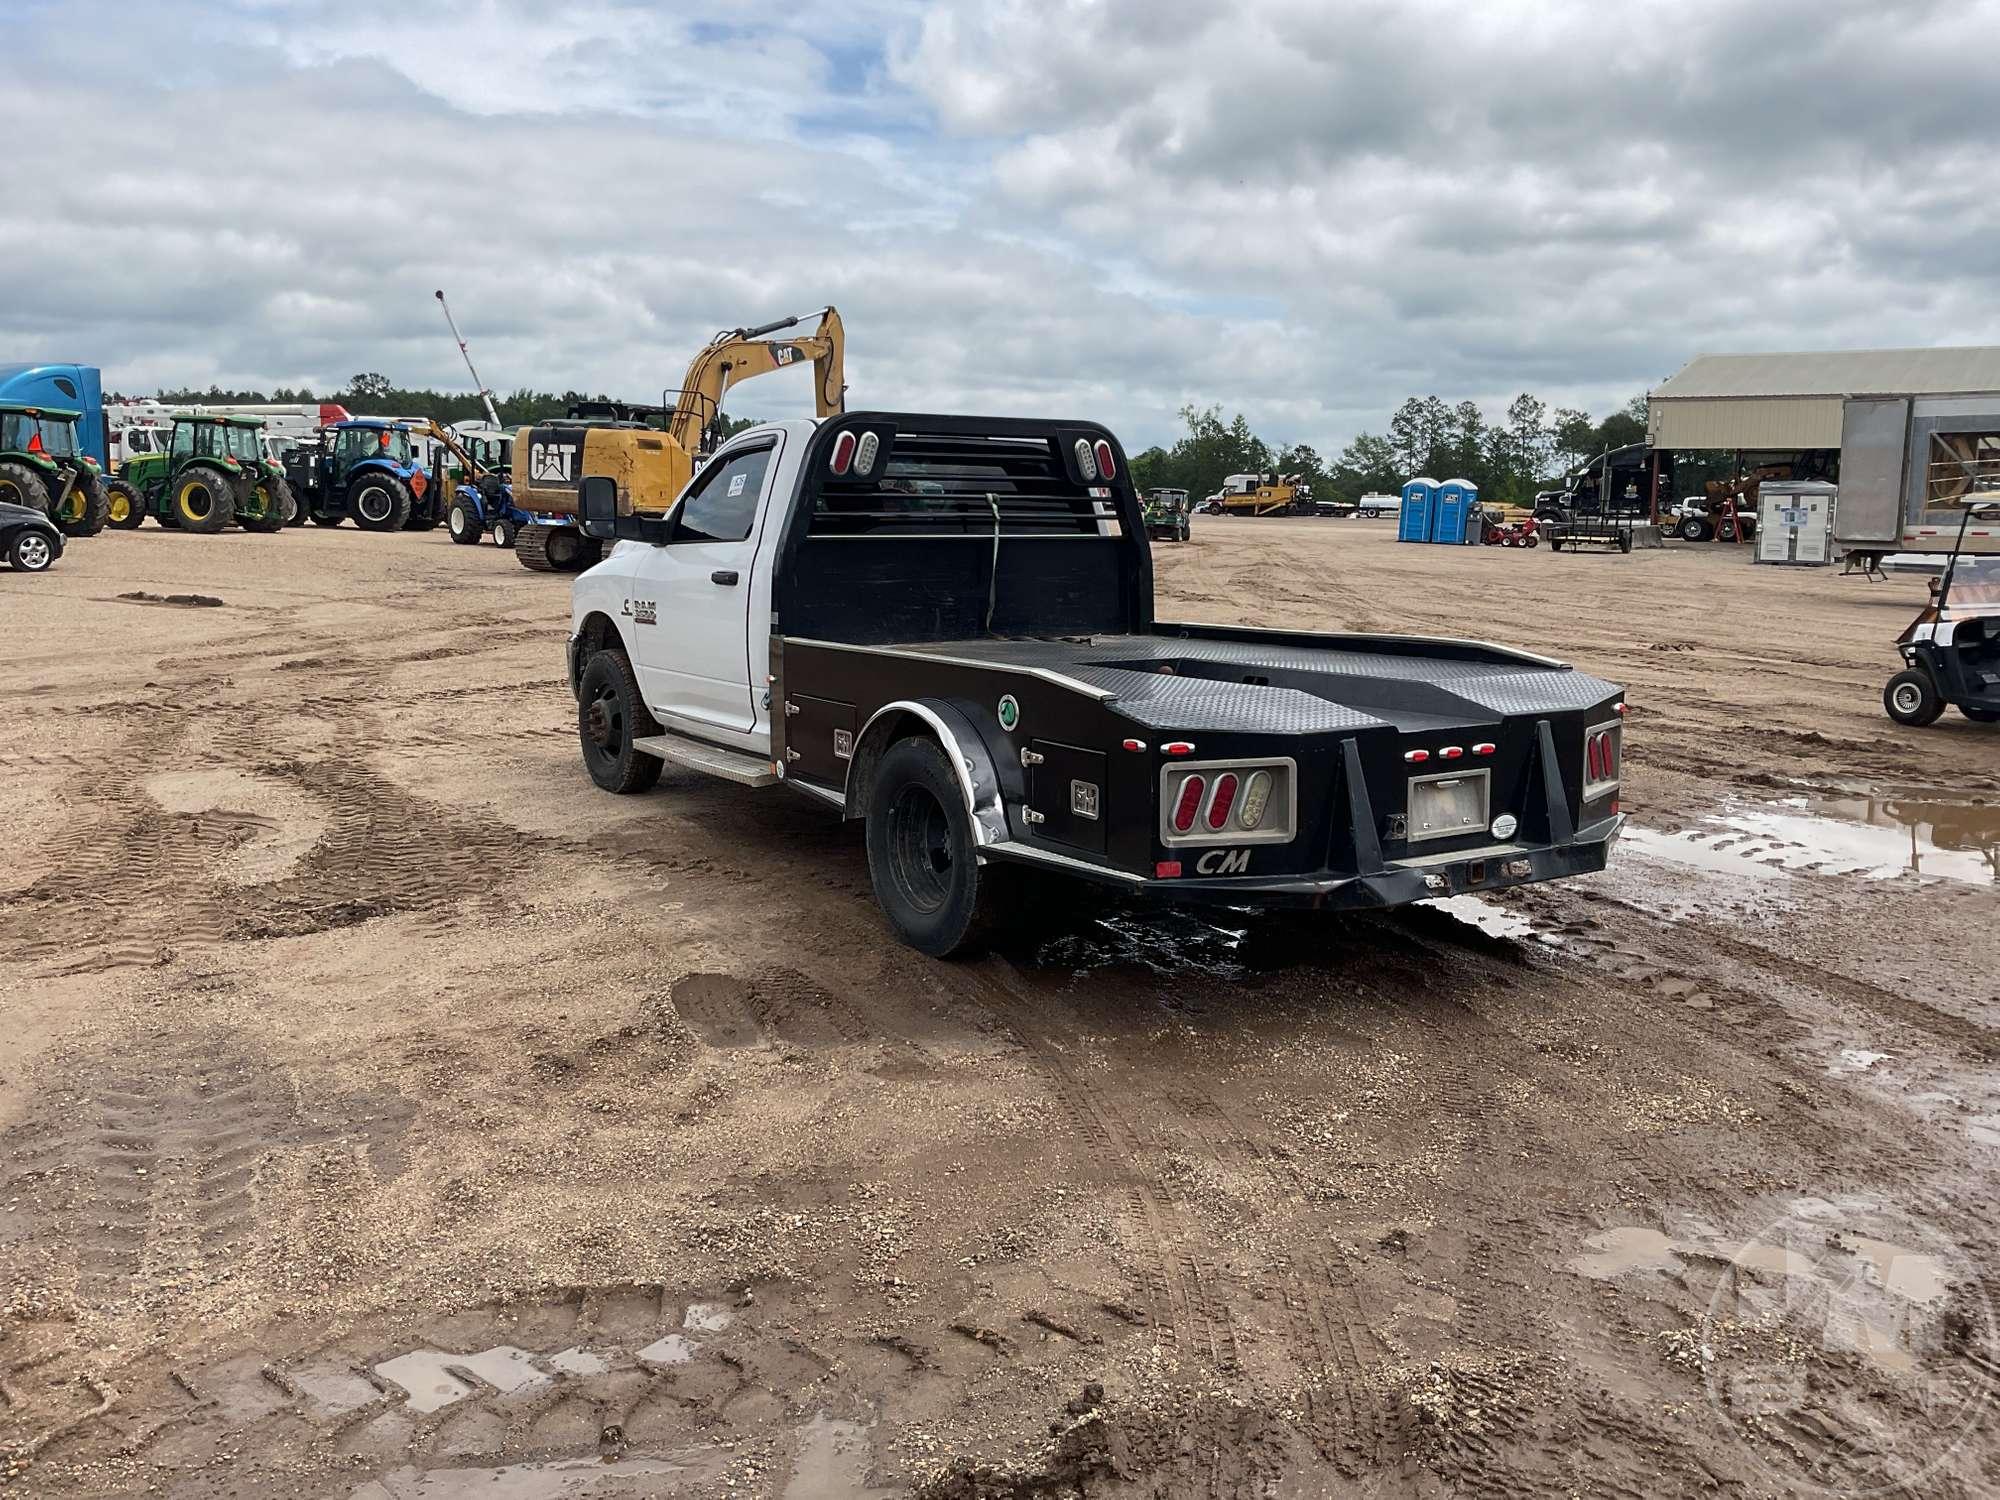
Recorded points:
(945,628)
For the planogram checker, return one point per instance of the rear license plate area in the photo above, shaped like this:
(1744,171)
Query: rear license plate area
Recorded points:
(1449,806)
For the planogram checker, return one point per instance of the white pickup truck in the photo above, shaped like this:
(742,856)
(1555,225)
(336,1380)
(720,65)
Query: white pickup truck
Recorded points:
(944,626)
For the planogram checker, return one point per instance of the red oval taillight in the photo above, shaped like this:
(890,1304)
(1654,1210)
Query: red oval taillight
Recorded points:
(1106,464)
(843,453)
(1224,799)
(1190,804)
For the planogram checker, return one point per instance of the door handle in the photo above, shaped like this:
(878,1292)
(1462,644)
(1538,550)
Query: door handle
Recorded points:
(724,576)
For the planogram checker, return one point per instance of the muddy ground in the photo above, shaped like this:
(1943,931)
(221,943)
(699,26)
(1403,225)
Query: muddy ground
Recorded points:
(385,1112)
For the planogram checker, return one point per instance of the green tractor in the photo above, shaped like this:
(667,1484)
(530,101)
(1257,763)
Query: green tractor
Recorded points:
(42,467)
(212,472)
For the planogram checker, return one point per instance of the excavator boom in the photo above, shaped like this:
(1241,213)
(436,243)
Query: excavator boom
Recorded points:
(738,354)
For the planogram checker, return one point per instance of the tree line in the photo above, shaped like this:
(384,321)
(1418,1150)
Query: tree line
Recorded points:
(1529,450)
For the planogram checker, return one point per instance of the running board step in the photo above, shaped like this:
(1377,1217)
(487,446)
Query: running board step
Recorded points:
(730,765)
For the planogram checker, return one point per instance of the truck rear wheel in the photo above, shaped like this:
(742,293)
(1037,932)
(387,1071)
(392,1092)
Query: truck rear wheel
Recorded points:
(923,859)
(610,715)
(1912,698)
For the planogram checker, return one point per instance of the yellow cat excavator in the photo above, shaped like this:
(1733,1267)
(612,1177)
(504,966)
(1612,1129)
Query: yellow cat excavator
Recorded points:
(652,451)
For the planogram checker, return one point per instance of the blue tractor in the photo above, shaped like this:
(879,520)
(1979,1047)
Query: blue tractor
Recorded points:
(368,469)
(483,499)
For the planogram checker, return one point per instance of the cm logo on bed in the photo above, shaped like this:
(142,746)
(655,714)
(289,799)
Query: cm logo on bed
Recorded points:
(1223,862)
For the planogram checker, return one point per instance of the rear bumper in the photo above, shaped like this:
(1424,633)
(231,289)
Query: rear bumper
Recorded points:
(1488,869)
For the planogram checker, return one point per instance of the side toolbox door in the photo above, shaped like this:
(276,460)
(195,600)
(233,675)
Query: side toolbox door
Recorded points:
(694,664)
(1066,794)
(819,739)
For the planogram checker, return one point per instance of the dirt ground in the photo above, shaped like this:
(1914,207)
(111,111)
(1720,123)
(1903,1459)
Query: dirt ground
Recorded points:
(385,1112)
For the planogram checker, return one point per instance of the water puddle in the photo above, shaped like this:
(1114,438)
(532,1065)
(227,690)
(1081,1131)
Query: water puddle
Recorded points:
(1166,942)
(333,1389)
(427,1374)
(1868,1296)
(832,1462)
(556,1479)
(1868,837)
(1494,921)
(578,1361)
(707,1317)
(1854,1060)
(674,1349)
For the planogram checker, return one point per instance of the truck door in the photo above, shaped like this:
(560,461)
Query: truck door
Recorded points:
(694,664)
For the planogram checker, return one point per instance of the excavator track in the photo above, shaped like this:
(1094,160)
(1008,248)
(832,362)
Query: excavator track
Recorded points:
(556,549)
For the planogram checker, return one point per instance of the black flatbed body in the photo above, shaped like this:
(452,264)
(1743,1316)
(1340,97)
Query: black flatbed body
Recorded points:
(1123,711)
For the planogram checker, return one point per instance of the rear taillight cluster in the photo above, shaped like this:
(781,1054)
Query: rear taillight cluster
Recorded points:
(1095,461)
(1601,755)
(1221,803)
(854,453)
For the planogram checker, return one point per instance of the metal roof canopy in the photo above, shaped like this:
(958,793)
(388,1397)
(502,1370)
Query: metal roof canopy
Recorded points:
(1795,401)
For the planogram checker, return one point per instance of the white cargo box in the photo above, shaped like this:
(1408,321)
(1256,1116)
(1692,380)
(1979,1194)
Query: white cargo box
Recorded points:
(1795,522)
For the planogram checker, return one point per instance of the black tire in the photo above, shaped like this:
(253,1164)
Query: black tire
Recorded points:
(1692,529)
(1980,715)
(463,522)
(610,714)
(1531,540)
(201,499)
(1912,698)
(922,857)
(273,509)
(31,551)
(96,508)
(323,520)
(379,501)
(504,532)
(22,485)
(1625,539)
(1555,544)
(125,506)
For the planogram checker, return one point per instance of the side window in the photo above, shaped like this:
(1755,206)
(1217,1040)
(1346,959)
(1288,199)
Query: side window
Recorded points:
(183,439)
(722,506)
(67,387)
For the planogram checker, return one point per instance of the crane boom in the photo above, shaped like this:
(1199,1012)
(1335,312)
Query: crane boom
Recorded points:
(485,395)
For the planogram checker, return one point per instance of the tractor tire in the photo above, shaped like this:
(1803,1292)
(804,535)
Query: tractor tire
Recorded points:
(1912,698)
(21,485)
(923,858)
(463,522)
(125,506)
(610,715)
(1625,539)
(202,500)
(272,504)
(96,512)
(556,549)
(379,502)
(504,532)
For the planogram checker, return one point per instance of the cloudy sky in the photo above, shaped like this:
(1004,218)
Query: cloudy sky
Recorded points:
(1303,209)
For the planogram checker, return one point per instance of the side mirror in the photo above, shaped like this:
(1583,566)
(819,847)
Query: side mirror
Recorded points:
(599,498)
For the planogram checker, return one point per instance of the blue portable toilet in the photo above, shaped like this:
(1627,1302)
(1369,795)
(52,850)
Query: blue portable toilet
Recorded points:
(1413,522)
(1457,509)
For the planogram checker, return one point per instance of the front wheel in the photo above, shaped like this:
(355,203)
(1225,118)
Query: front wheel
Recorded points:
(1912,698)
(923,859)
(124,506)
(1693,529)
(503,533)
(204,500)
(610,715)
(379,502)
(1531,540)
(31,551)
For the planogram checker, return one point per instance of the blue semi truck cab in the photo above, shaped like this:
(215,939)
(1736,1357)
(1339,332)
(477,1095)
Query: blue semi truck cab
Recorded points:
(77,388)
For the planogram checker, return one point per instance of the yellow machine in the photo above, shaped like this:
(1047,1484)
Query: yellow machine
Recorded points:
(1261,495)
(652,465)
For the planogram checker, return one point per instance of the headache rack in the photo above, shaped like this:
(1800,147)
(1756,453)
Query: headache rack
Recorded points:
(950,484)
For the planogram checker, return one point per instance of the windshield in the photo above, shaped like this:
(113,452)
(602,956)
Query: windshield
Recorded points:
(1973,588)
(22,432)
(242,442)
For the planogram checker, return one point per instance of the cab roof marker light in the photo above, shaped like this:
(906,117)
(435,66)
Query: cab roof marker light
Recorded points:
(1086,461)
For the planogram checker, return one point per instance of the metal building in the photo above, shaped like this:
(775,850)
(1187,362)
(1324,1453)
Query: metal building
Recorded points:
(1907,431)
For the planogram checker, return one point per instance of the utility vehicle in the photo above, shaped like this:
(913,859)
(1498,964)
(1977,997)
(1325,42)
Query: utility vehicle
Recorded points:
(944,626)
(1167,516)
(1952,649)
